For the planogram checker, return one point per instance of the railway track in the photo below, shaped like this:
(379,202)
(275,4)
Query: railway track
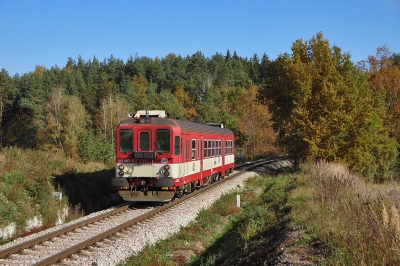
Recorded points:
(79,238)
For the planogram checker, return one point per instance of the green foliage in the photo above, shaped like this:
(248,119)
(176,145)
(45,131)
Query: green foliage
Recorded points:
(95,96)
(167,101)
(26,189)
(95,149)
(14,196)
(7,95)
(324,109)
(321,102)
(257,220)
(28,179)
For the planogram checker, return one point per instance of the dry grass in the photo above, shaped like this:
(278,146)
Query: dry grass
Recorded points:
(358,221)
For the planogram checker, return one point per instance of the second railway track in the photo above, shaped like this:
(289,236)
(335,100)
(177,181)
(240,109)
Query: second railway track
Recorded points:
(93,239)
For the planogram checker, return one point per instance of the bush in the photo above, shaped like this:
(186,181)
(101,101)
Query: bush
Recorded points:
(28,181)
(95,150)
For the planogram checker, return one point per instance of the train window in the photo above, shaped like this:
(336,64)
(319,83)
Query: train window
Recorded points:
(144,141)
(193,149)
(163,140)
(126,140)
(176,145)
(213,148)
(205,149)
(219,147)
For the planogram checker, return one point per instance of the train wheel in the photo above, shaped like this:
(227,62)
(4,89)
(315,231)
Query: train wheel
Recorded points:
(179,192)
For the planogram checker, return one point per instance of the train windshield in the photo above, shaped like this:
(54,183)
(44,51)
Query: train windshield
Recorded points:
(126,140)
(163,140)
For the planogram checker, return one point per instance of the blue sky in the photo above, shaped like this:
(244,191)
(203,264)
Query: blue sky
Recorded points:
(47,33)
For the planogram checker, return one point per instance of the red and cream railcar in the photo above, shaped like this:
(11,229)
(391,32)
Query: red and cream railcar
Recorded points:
(158,158)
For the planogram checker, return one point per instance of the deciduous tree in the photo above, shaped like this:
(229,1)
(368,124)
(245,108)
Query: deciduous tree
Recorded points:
(384,73)
(323,108)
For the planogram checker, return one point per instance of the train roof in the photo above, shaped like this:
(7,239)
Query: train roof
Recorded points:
(183,125)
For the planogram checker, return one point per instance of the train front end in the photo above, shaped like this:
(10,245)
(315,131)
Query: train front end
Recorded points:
(144,159)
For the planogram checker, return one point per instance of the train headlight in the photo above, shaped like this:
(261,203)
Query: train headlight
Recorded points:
(166,167)
(166,173)
(121,173)
(145,121)
(121,167)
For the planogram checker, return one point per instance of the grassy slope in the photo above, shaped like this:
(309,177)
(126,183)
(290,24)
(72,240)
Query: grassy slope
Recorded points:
(226,233)
(28,179)
(320,215)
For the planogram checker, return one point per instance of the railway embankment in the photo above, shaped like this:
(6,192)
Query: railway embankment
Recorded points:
(40,189)
(320,214)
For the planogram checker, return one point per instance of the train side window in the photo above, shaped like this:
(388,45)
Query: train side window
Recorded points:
(219,147)
(205,149)
(176,145)
(193,149)
(126,140)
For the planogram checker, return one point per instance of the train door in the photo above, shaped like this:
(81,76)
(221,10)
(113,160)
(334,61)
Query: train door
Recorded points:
(222,151)
(181,156)
(200,154)
(188,152)
(144,138)
(211,143)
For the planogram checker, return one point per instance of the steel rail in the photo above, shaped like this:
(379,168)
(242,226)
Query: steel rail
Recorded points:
(89,242)
(14,249)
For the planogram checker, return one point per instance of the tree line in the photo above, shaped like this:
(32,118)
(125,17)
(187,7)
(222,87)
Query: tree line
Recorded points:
(314,103)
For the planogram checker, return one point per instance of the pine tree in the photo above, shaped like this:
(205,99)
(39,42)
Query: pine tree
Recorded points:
(7,96)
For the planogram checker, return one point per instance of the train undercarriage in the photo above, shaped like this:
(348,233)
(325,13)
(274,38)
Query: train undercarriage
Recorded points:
(152,190)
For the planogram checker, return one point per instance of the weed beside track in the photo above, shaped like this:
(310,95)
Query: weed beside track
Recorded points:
(319,215)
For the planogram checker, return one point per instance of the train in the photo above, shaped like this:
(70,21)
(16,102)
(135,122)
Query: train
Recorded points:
(159,158)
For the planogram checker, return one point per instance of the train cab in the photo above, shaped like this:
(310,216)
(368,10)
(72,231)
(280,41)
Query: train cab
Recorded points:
(158,158)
